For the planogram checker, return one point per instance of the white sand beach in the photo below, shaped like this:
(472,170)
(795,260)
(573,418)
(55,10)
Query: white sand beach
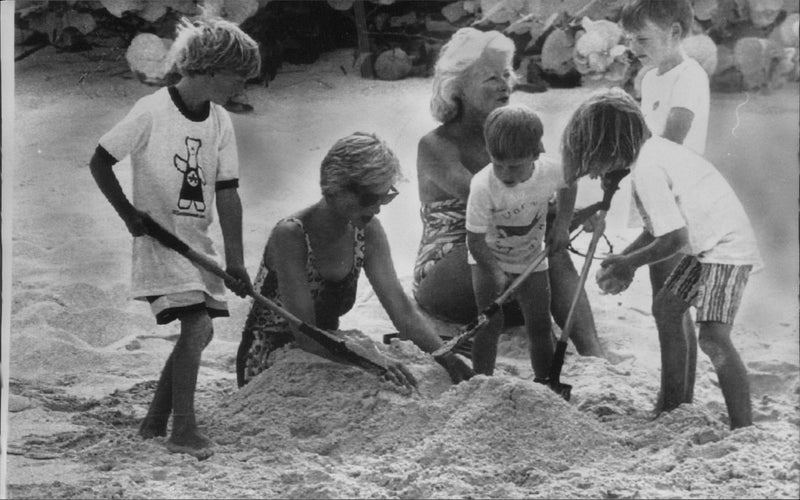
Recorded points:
(84,358)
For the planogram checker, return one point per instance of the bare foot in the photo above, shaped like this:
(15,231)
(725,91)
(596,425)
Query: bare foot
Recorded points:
(194,444)
(153,427)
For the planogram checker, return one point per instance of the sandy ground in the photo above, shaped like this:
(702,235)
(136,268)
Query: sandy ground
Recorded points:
(85,358)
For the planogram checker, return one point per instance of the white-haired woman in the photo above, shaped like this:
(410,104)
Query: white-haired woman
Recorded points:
(473,76)
(313,258)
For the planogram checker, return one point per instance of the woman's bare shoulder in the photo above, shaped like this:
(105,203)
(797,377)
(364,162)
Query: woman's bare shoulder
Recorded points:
(439,143)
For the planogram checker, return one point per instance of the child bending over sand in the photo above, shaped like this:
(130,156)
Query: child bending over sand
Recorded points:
(687,206)
(183,156)
(506,214)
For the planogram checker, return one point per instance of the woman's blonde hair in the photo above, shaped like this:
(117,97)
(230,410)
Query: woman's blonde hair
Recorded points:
(466,46)
(358,161)
(210,44)
(605,133)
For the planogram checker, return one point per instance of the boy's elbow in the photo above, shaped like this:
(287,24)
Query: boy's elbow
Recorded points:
(678,239)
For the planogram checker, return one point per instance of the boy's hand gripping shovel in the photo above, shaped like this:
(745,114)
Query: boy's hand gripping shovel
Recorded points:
(332,343)
(553,379)
(483,318)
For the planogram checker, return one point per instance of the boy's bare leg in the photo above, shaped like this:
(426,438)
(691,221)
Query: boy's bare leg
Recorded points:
(484,345)
(563,284)
(155,422)
(196,333)
(691,364)
(446,291)
(715,340)
(659,272)
(668,310)
(534,298)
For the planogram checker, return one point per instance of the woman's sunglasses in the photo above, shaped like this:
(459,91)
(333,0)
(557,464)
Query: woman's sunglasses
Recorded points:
(372,199)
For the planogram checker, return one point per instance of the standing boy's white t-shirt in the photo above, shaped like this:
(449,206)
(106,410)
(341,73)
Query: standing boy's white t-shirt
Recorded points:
(513,218)
(684,86)
(178,162)
(673,187)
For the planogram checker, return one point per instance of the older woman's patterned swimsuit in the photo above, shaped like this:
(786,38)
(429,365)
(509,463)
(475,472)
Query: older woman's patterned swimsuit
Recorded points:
(264,331)
(443,229)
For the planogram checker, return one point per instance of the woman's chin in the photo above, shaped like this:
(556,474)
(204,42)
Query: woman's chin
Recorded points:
(361,221)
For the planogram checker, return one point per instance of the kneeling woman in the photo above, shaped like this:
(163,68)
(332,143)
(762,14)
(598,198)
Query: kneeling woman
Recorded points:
(313,258)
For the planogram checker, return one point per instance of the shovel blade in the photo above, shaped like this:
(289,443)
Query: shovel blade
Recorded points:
(563,390)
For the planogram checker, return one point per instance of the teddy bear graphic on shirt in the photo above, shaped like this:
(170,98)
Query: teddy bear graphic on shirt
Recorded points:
(193,177)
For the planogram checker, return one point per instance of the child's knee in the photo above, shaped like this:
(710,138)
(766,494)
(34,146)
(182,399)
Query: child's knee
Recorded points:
(713,345)
(666,305)
(197,328)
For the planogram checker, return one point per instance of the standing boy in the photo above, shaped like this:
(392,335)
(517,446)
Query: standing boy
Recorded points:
(675,104)
(183,156)
(506,213)
(688,208)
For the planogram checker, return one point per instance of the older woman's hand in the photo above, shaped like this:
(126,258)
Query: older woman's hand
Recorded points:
(399,375)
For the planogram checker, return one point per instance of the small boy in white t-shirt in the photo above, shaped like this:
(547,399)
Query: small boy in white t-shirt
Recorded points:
(184,161)
(506,215)
(688,208)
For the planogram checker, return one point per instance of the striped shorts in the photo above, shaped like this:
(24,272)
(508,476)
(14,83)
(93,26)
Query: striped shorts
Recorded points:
(714,289)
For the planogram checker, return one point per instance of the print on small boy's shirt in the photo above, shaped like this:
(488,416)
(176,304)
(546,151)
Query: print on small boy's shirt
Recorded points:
(193,178)
(509,231)
(655,105)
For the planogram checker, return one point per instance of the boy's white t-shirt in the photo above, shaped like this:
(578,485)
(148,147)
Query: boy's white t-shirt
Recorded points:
(684,86)
(513,218)
(177,160)
(673,187)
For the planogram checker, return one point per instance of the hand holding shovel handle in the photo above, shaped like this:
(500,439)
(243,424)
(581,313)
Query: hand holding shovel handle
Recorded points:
(333,344)
(553,378)
(483,318)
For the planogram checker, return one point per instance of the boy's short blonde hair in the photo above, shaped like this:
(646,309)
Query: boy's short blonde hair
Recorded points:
(513,132)
(662,13)
(211,44)
(464,49)
(605,133)
(360,161)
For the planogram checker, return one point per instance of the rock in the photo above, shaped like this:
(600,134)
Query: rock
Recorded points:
(704,10)
(702,49)
(454,11)
(83,21)
(153,11)
(764,12)
(598,54)
(786,34)
(341,4)
(117,7)
(392,65)
(557,52)
(759,61)
(235,11)
(147,57)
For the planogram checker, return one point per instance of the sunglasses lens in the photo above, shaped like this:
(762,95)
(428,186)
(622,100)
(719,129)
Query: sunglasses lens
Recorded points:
(371,199)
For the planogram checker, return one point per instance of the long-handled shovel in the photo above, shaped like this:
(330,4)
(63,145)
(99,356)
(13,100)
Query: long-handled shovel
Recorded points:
(553,379)
(333,344)
(486,314)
